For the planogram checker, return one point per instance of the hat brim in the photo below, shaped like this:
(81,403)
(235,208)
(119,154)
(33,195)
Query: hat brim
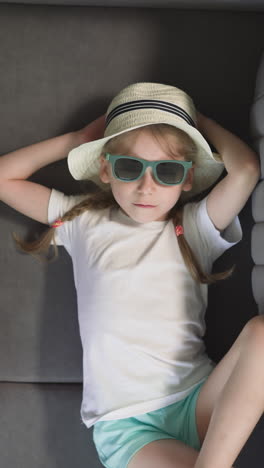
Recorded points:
(84,162)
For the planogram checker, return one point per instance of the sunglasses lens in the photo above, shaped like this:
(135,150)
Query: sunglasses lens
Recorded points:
(170,173)
(127,169)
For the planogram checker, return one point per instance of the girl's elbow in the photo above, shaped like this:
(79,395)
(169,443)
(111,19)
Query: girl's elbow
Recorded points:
(253,166)
(256,169)
(253,172)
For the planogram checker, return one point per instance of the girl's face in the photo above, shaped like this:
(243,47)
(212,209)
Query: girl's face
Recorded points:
(145,191)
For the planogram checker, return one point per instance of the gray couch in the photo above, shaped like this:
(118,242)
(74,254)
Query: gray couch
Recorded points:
(61,63)
(257,133)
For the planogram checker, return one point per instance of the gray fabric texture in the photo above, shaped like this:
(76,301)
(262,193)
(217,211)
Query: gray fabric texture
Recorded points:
(41,427)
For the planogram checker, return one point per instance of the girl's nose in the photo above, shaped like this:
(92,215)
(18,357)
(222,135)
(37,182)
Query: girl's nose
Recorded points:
(147,181)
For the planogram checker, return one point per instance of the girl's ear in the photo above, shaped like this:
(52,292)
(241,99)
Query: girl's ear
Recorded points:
(103,171)
(187,185)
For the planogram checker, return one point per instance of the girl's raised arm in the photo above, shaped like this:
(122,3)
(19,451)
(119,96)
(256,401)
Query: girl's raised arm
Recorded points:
(229,196)
(22,163)
(27,197)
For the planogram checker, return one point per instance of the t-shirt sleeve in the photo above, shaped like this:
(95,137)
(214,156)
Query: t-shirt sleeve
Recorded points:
(59,204)
(206,240)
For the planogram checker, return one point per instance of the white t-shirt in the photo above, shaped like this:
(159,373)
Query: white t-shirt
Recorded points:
(141,315)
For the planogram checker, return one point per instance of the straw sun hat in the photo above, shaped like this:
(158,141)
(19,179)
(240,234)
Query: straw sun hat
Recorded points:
(142,104)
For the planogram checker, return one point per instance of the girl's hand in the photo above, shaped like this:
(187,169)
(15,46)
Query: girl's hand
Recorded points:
(93,131)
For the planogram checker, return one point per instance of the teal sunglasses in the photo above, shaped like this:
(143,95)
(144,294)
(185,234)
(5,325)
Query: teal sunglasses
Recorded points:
(166,172)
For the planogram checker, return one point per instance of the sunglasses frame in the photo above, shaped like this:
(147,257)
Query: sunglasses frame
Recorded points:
(112,158)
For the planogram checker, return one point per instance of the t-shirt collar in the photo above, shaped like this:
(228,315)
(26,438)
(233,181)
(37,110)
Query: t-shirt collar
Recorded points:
(119,215)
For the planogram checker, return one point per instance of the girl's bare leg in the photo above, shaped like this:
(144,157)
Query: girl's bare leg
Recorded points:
(228,408)
(165,453)
(232,400)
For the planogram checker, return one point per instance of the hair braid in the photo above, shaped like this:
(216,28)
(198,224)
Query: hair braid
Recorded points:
(190,259)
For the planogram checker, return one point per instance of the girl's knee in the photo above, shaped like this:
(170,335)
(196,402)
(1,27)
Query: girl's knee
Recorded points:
(254,330)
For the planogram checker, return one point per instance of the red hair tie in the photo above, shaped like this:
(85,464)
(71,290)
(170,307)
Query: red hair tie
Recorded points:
(179,230)
(57,223)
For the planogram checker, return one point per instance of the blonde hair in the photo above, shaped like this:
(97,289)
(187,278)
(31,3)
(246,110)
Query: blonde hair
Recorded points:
(101,199)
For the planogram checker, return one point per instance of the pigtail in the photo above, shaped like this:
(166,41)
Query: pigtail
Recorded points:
(190,259)
(95,201)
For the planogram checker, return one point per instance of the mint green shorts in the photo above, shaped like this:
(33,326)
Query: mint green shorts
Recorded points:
(116,441)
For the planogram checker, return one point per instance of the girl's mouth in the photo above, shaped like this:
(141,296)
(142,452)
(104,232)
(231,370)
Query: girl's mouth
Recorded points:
(144,206)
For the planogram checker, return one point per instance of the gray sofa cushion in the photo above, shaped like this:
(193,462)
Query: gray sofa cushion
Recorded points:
(258,281)
(40,339)
(257,244)
(61,68)
(41,427)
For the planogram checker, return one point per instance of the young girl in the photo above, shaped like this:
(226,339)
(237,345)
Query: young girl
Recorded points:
(142,248)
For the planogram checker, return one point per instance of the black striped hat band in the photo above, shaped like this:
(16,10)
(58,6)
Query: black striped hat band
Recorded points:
(149,104)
